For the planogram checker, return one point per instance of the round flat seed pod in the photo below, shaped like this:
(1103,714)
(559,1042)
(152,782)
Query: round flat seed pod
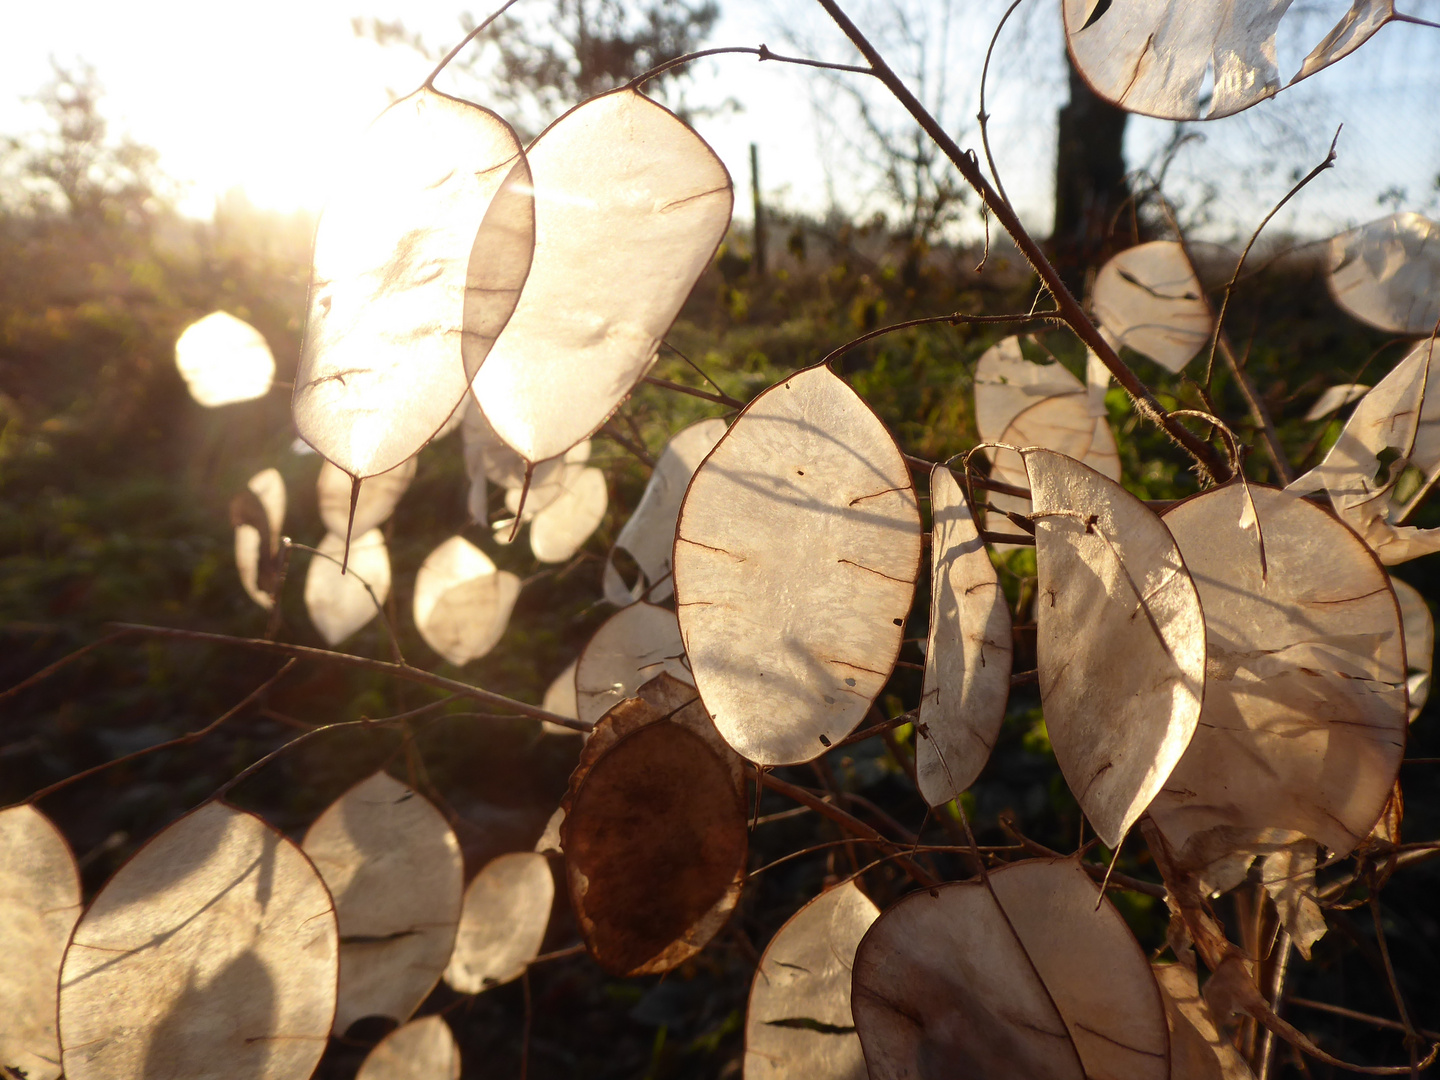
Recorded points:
(1182,61)
(798,1024)
(560,699)
(796,555)
(340,604)
(1062,423)
(502,922)
(633,646)
(1096,972)
(561,529)
(1006,384)
(1305,718)
(1387,273)
(462,603)
(394,868)
(649,536)
(39,903)
(630,205)
(255,547)
(423,1049)
(655,844)
(1149,299)
(1197,1049)
(943,987)
(421,254)
(378,497)
(215,943)
(224,360)
(968,651)
(1336,397)
(1120,640)
(1419,629)
(1025,977)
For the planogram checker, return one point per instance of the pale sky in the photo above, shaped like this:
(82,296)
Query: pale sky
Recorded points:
(262,97)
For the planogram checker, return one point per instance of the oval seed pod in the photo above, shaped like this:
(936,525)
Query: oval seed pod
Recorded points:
(631,647)
(1387,273)
(1120,640)
(394,868)
(630,205)
(376,502)
(462,603)
(561,529)
(340,604)
(1006,384)
(224,360)
(1148,299)
(1304,721)
(649,536)
(423,1049)
(798,1024)
(560,698)
(968,652)
(257,548)
(1029,975)
(658,804)
(39,903)
(215,943)
(421,254)
(1419,628)
(1181,61)
(796,555)
(502,922)
(1336,397)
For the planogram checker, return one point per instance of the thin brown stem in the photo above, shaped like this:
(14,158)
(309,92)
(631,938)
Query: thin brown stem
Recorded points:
(59,665)
(1067,307)
(380,667)
(1351,1014)
(1258,413)
(183,740)
(639,452)
(982,115)
(849,823)
(681,388)
(471,36)
(953,319)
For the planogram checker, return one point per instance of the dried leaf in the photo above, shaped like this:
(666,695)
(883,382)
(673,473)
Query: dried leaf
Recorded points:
(1288,875)
(1304,720)
(630,648)
(340,604)
(378,497)
(421,256)
(559,530)
(1023,977)
(1180,61)
(1387,273)
(1336,397)
(223,360)
(1419,632)
(657,804)
(1197,1049)
(462,603)
(256,549)
(1120,640)
(394,868)
(968,654)
(630,205)
(1149,299)
(649,536)
(1396,426)
(796,555)
(215,943)
(423,1049)
(39,903)
(798,1024)
(502,922)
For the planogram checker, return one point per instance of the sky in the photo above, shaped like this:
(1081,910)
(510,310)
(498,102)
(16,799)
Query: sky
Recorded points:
(264,97)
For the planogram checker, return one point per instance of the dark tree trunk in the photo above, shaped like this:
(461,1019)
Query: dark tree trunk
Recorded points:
(1091,221)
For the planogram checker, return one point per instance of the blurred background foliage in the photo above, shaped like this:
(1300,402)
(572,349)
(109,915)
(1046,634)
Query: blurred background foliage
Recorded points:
(114,495)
